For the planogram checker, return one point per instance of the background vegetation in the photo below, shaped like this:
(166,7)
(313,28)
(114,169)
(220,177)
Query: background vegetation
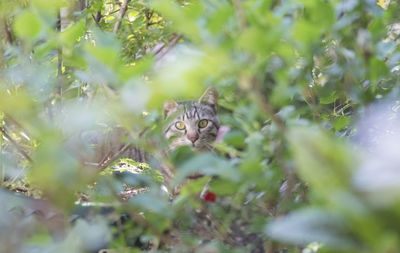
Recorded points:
(307,166)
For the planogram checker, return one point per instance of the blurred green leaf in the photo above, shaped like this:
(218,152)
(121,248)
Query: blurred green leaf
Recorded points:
(377,69)
(235,138)
(341,123)
(28,25)
(312,225)
(323,161)
(73,33)
(184,17)
(329,98)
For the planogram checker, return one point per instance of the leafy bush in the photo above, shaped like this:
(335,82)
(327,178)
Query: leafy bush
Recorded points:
(308,164)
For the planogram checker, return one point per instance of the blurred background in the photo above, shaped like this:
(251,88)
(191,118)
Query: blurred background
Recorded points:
(308,97)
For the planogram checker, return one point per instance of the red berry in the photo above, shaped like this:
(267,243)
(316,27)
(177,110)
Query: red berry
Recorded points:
(210,196)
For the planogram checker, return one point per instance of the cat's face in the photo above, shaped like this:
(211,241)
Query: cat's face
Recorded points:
(193,123)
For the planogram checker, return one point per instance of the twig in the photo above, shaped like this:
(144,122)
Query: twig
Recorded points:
(269,109)
(266,106)
(164,45)
(8,32)
(160,53)
(8,117)
(59,63)
(15,144)
(107,159)
(97,18)
(122,12)
(154,23)
(148,14)
(112,12)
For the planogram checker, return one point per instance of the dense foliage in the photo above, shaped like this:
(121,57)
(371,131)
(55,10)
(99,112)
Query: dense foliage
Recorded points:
(308,90)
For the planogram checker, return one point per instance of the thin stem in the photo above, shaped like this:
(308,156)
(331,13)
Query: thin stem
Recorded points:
(122,12)
(7,30)
(240,14)
(160,53)
(97,18)
(15,144)
(107,160)
(59,63)
(15,122)
(266,106)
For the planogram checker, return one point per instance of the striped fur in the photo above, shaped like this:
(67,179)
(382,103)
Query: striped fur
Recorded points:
(191,113)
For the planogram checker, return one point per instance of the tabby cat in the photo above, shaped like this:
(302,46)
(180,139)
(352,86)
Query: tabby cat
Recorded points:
(191,123)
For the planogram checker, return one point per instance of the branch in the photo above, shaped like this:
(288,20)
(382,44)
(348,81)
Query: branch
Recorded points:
(122,12)
(154,23)
(82,5)
(15,144)
(240,14)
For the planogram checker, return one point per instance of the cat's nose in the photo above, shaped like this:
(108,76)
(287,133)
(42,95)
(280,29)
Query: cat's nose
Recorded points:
(193,137)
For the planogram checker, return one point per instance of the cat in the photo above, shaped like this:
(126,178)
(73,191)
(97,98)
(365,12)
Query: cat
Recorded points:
(192,123)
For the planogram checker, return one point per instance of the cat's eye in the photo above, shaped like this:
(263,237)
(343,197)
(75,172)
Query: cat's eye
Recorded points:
(180,125)
(203,123)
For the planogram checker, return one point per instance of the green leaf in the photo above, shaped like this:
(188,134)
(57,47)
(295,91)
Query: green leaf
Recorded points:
(235,138)
(328,99)
(377,69)
(147,202)
(209,164)
(258,41)
(323,161)
(70,36)
(341,123)
(223,187)
(220,18)
(317,18)
(130,166)
(28,25)
(312,225)
(184,18)
(306,32)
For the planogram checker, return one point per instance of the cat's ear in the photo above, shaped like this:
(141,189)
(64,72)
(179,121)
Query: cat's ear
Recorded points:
(169,107)
(210,98)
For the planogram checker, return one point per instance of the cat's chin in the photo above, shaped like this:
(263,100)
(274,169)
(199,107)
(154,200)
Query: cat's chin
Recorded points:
(194,147)
(202,148)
